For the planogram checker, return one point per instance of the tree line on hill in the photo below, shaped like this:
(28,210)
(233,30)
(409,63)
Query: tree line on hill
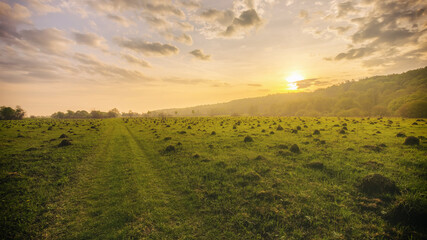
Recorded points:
(392,95)
(81,114)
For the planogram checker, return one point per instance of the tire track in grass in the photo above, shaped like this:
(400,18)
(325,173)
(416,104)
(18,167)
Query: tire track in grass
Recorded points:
(173,217)
(119,194)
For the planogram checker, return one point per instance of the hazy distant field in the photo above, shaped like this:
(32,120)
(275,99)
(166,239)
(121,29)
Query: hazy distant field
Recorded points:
(203,178)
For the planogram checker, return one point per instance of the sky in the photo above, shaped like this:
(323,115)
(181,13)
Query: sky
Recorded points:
(141,55)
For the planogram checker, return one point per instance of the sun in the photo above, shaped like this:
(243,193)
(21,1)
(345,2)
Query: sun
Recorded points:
(295,77)
(292,81)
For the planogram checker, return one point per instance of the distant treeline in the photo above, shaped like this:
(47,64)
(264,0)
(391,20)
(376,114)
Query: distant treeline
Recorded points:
(8,113)
(80,114)
(402,95)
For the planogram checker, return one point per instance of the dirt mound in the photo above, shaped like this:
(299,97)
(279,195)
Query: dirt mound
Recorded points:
(64,143)
(169,149)
(315,165)
(63,136)
(259,157)
(410,212)
(279,128)
(248,139)
(401,134)
(377,184)
(295,149)
(411,140)
(316,132)
(373,148)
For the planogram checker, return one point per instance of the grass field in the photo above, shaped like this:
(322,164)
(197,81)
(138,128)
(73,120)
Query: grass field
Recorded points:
(213,178)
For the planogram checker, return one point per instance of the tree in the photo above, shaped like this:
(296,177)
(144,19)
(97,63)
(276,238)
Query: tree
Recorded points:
(96,114)
(58,115)
(414,109)
(8,113)
(113,113)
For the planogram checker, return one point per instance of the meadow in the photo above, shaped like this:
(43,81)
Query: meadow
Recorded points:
(214,178)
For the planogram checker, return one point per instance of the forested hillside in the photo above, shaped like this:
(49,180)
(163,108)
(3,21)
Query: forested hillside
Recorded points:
(392,95)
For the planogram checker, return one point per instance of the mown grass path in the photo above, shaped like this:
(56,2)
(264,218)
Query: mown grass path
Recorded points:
(119,194)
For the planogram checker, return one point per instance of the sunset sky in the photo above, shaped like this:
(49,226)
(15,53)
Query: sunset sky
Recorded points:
(145,55)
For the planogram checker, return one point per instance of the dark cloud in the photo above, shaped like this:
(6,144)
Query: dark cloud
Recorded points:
(89,39)
(355,53)
(248,19)
(254,85)
(306,83)
(147,48)
(135,60)
(10,18)
(50,40)
(197,53)
(384,31)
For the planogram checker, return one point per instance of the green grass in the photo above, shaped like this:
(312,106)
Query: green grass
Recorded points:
(118,181)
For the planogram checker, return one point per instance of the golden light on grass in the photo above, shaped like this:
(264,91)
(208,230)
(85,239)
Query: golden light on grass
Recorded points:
(292,81)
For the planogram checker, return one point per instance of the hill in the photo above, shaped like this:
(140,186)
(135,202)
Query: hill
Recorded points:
(391,95)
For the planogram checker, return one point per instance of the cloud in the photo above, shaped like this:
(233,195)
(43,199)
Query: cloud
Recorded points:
(340,29)
(184,38)
(184,81)
(190,4)
(164,9)
(224,18)
(345,8)
(119,19)
(89,39)
(254,85)
(93,66)
(16,14)
(248,19)
(42,6)
(135,60)
(50,40)
(303,14)
(156,21)
(195,81)
(197,53)
(147,48)
(20,66)
(185,26)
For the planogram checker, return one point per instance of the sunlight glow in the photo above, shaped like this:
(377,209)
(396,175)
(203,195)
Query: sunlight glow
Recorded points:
(292,79)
